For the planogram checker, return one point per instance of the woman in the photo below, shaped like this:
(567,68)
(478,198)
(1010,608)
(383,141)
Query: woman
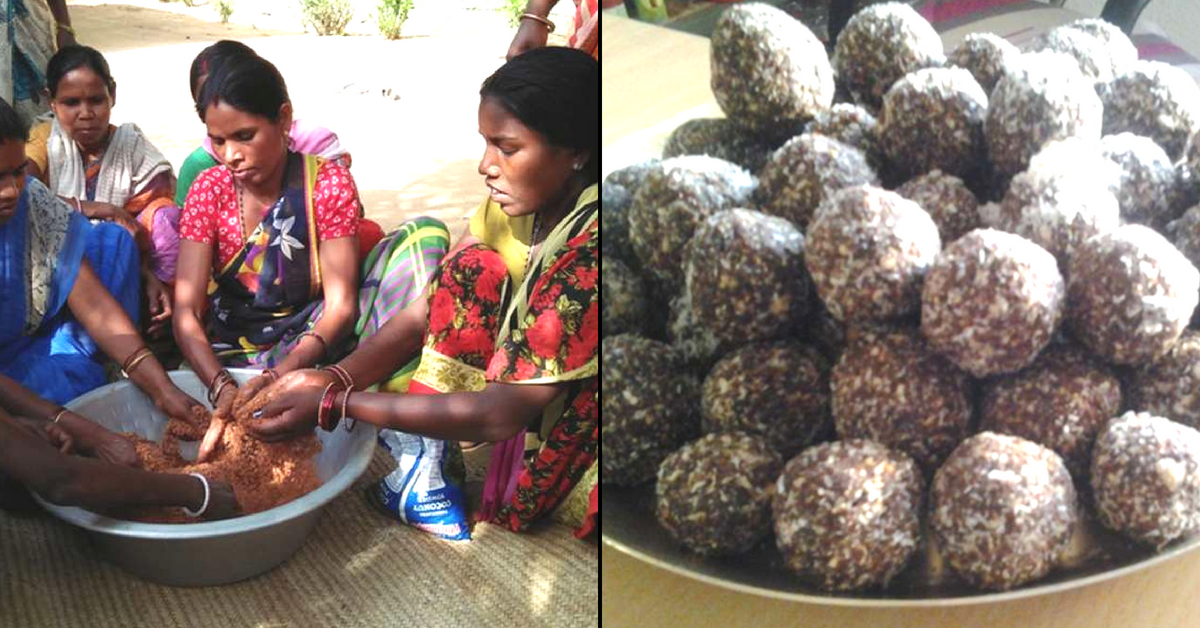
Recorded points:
(34,454)
(59,275)
(304,138)
(274,233)
(106,172)
(30,30)
(584,33)
(490,370)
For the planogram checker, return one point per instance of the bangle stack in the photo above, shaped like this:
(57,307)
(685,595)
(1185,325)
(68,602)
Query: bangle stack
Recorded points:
(347,382)
(342,374)
(537,18)
(326,419)
(325,409)
(218,384)
(134,360)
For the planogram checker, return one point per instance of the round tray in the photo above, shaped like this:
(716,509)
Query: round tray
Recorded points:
(215,552)
(628,524)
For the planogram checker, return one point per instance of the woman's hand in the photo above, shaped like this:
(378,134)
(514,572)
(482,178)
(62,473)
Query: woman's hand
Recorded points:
(251,388)
(107,211)
(176,404)
(113,448)
(97,441)
(293,411)
(530,34)
(159,299)
(59,438)
(222,415)
(52,433)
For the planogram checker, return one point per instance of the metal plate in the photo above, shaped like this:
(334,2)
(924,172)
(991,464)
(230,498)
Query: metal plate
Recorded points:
(1097,554)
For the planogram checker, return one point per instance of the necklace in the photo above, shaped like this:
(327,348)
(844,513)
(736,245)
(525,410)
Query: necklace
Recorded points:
(242,211)
(533,242)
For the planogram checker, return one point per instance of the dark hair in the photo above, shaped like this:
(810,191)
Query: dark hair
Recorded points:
(554,91)
(71,58)
(213,57)
(249,84)
(11,127)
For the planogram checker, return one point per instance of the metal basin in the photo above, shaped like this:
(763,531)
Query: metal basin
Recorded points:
(216,552)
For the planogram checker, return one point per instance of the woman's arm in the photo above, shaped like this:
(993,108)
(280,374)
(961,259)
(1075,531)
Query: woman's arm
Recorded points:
(392,346)
(339,276)
(111,328)
(497,412)
(90,438)
(93,484)
(191,297)
(531,33)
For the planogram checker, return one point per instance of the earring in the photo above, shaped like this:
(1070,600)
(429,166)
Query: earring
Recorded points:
(577,166)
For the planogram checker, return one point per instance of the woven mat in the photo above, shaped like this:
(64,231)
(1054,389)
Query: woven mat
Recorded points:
(357,569)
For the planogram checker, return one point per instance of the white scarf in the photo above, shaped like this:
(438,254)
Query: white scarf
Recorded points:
(129,164)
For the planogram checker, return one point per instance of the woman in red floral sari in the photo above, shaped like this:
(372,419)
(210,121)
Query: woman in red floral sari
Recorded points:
(503,349)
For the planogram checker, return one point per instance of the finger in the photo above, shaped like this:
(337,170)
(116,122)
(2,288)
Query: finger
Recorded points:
(247,391)
(271,428)
(275,408)
(211,438)
(68,444)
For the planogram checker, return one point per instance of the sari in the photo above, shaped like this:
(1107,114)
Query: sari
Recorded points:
(550,335)
(131,174)
(481,330)
(585,28)
(42,248)
(27,31)
(269,294)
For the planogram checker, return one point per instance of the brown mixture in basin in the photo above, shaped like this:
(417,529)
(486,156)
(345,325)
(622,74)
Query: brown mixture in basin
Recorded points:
(263,475)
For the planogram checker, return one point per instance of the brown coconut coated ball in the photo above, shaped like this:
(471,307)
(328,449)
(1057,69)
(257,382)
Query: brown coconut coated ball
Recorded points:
(867,252)
(1002,511)
(714,494)
(847,514)
(980,291)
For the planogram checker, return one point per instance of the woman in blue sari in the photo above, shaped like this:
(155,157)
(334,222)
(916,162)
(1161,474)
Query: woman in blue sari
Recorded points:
(70,296)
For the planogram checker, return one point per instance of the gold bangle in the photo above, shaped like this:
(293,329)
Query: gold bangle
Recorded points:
(65,27)
(136,361)
(58,415)
(538,18)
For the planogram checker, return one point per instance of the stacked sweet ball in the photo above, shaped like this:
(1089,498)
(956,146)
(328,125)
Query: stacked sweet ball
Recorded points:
(840,327)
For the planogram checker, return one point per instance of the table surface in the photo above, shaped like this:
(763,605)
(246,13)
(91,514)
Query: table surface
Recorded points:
(653,79)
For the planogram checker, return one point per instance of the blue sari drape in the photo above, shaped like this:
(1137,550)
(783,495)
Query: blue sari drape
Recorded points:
(42,346)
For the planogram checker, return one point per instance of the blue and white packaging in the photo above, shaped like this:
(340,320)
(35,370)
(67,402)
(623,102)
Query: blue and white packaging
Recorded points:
(418,491)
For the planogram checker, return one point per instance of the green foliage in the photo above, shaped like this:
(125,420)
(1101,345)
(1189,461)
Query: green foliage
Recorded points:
(225,9)
(327,17)
(512,9)
(391,17)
